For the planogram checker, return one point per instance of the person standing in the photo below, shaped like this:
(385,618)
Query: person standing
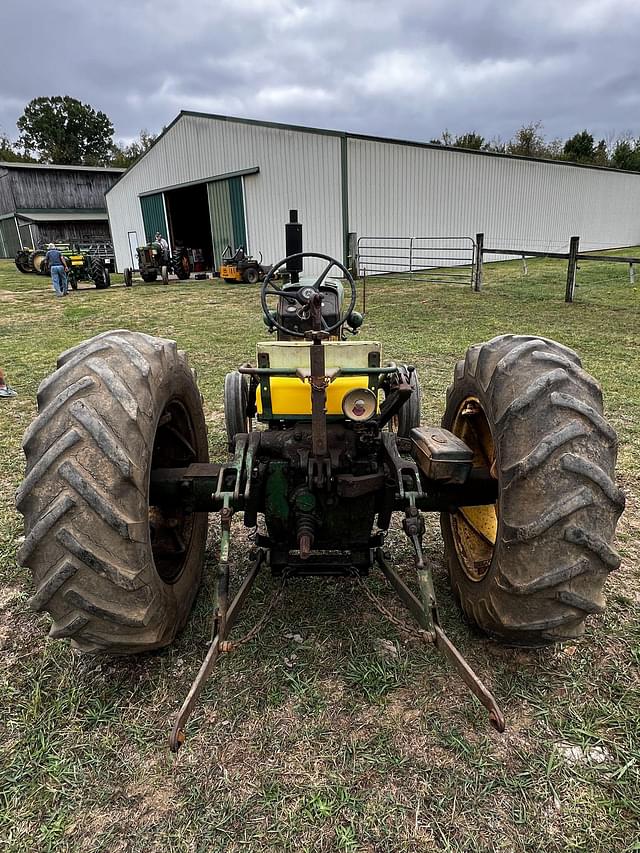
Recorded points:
(58,270)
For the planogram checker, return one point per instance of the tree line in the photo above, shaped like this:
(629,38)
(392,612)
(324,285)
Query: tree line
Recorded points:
(63,130)
(529,141)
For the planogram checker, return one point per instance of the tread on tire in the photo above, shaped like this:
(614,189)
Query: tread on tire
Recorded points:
(558,504)
(89,541)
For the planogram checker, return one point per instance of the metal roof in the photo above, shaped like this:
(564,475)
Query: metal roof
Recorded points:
(347,135)
(9,164)
(62,215)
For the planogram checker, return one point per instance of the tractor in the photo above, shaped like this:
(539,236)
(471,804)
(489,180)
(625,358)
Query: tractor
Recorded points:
(153,261)
(119,485)
(239,266)
(81,265)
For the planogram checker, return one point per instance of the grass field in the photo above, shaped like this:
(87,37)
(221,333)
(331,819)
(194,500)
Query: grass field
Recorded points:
(330,732)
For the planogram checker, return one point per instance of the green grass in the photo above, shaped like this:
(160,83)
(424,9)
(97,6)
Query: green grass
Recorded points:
(337,743)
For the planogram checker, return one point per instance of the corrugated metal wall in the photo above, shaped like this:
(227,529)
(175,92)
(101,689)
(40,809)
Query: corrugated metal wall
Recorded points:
(398,190)
(226,210)
(297,170)
(153,216)
(393,190)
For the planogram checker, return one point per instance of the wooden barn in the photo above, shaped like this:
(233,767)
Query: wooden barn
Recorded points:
(41,204)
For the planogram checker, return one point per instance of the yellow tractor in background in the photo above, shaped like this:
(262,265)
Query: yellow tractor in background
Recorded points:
(238,266)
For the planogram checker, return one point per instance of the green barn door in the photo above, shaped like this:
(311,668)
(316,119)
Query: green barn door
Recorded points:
(153,216)
(226,210)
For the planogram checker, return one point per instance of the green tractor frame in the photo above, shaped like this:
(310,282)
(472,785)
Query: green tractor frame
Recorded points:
(154,262)
(118,483)
(81,265)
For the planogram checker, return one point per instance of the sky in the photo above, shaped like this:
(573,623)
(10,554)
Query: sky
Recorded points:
(401,68)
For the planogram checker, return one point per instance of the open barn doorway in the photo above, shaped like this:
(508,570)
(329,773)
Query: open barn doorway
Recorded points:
(189,222)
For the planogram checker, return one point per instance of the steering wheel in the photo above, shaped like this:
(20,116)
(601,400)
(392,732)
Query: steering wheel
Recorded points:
(305,292)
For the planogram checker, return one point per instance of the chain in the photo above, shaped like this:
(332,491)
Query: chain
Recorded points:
(400,624)
(231,645)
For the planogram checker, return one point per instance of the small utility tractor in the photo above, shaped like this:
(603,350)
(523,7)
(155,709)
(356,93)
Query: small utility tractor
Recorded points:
(154,262)
(239,266)
(118,482)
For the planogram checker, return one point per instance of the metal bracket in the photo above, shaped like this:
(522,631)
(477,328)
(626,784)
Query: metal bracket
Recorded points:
(402,467)
(426,614)
(177,736)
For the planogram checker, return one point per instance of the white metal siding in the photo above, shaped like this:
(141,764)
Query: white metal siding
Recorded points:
(397,190)
(394,190)
(297,170)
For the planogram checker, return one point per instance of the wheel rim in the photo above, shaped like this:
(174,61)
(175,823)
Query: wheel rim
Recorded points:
(475,528)
(171,529)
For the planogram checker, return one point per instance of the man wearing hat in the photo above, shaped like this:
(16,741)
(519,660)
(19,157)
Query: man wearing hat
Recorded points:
(58,269)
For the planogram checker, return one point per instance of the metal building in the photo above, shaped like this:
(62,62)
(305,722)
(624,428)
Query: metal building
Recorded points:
(211,181)
(41,204)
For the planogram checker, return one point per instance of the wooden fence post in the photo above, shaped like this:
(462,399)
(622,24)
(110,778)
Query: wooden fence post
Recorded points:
(477,282)
(571,269)
(632,274)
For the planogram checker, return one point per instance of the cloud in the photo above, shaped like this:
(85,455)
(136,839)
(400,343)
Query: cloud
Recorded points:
(404,68)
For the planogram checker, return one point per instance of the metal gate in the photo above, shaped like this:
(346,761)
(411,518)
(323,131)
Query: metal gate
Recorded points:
(439,259)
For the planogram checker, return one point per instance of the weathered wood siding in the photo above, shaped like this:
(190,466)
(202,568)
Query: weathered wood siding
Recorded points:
(43,189)
(6,194)
(69,232)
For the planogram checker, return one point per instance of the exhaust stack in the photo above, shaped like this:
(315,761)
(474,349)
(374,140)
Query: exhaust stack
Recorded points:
(293,245)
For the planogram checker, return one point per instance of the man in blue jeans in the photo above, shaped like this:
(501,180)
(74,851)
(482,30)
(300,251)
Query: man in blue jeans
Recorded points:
(58,269)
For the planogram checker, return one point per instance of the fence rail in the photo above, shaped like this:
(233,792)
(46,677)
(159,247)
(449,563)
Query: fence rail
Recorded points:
(426,258)
(573,257)
(460,259)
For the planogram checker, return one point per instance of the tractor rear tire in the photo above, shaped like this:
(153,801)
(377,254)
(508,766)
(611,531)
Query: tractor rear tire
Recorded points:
(22,262)
(116,575)
(182,266)
(531,573)
(99,273)
(236,402)
(37,261)
(409,415)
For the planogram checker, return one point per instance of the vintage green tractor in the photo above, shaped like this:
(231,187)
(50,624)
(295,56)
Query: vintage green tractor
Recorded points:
(153,261)
(118,482)
(81,264)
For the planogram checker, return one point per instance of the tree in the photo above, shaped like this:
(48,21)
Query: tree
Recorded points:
(580,148)
(471,140)
(126,155)
(601,154)
(8,153)
(63,130)
(496,144)
(528,141)
(626,154)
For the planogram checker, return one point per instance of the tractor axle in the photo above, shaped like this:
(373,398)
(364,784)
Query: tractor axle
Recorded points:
(195,488)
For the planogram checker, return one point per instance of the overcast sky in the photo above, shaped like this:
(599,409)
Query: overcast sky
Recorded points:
(400,68)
